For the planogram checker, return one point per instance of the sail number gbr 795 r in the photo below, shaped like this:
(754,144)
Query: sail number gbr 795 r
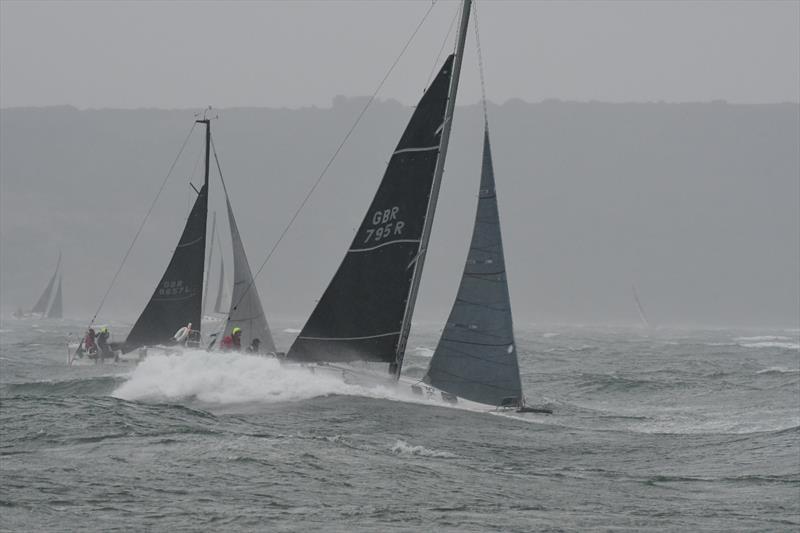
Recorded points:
(385,224)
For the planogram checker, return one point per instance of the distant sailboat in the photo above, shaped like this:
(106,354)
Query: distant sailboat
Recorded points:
(49,304)
(640,308)
(365,313)
(56,308)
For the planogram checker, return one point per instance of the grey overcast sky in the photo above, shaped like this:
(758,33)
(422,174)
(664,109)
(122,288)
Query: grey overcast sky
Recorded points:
(291,54)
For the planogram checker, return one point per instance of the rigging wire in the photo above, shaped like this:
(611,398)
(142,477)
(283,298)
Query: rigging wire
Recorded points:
(480,66)
(444,43)
(335,153)
(141,226)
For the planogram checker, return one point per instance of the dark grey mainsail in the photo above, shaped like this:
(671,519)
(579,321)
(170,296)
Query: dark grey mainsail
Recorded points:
(178,297)
(476,357)
(56,308)
(246,311)
(360,315)
(221,288)
(41,304)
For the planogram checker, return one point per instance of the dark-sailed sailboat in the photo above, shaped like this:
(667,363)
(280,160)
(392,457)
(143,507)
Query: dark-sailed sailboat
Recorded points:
(365,313)
(56,308)
(178,297)
(49,304)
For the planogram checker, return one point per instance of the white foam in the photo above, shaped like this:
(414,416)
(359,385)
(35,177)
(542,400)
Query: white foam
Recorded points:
(422,351)
(227,378)
(772,344)
(291,330)
(779,370)
(401,447)
(550,335)
(759,338)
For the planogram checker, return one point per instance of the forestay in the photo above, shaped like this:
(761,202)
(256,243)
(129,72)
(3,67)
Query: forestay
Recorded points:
(476,357)
(360,315)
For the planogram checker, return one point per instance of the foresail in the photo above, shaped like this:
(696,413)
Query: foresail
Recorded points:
(56,308)
(360,315)
(246,311)
(44,299)
(476,357)
(177,300)
(220,288)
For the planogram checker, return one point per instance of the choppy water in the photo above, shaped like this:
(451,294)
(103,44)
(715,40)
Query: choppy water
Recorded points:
(697,431)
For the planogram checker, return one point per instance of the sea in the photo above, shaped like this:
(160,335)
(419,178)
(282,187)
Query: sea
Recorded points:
(664,430)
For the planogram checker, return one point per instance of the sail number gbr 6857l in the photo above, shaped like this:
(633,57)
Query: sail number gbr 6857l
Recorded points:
(385,224)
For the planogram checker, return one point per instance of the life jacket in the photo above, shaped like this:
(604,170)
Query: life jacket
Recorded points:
(227,343)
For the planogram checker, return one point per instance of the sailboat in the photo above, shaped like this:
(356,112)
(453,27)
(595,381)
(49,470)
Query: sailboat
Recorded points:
(365,312)
(49,304)
(56,308)
(640,308)
(178,298)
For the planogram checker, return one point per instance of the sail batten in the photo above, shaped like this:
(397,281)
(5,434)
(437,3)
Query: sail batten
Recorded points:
(476,357)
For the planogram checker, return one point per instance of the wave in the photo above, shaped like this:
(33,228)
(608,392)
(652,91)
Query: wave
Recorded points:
(772,344)
(422,351)
(401,447)
(227,378)
(291,330)
(779,370)
(94,386)
(759,338)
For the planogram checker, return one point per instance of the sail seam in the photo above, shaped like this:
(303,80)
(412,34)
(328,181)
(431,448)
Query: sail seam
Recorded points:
(382,245)
(348,338)
(478,343)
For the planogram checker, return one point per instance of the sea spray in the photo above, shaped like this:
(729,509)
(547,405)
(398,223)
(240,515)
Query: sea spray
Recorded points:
(226,378)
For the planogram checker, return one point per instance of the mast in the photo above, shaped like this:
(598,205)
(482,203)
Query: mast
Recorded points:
(397,366)
(207,121)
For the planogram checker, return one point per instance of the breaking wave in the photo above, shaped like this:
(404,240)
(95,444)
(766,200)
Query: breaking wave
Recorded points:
(401,447)
(228,378)
(772,344)
(779,370)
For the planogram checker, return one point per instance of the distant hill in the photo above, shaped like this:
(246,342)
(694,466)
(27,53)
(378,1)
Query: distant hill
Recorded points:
(697,204)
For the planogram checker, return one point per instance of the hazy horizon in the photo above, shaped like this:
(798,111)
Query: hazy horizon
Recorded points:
(132,55)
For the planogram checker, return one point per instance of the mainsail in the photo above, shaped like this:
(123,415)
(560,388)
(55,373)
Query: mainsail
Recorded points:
(56,308)
(246,311)
(44,299)
(360,316)
(178,297)
(476,357)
